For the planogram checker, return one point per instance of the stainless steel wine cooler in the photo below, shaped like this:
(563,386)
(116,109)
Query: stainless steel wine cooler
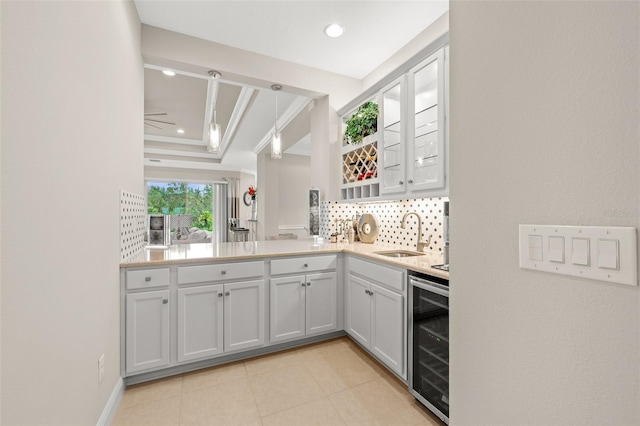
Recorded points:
(429,342)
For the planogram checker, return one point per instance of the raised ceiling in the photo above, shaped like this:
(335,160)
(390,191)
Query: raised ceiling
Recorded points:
(178,110)
(293,30)
(288,30)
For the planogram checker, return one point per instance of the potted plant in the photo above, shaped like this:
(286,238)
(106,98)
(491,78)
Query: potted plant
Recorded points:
(363,122)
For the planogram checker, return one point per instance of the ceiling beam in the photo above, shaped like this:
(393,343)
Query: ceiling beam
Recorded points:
(242,103)
(170,139)
(179,164)
(294,109)
(175,153)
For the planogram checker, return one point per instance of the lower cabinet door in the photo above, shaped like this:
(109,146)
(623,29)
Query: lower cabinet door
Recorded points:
(287,308)
(200,316)
(147,330)
(244,315)
(387,328)
(321,303)
(359,310)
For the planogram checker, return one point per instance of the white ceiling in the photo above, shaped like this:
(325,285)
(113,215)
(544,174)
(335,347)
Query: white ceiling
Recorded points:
(288,30)
(293,30)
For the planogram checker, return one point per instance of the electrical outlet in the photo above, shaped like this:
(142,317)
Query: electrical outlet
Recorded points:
(100,368)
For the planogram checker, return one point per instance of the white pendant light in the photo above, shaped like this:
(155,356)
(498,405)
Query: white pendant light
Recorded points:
(214,136)
(214,128)
(276,141)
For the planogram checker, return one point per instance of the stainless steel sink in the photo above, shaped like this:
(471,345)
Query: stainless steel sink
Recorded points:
(399,253)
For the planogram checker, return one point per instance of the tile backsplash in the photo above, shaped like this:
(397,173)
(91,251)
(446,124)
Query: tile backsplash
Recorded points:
(389,214)
(133,216)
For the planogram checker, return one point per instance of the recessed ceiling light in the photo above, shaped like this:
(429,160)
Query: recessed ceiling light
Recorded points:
(334,30)
(169,73)
(181,131)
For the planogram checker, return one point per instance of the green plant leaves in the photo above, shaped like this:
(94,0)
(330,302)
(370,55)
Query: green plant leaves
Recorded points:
(363,122)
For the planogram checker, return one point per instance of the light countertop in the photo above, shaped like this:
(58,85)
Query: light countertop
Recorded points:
(194,253)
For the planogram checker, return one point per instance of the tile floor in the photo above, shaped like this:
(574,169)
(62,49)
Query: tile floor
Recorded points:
(328,383)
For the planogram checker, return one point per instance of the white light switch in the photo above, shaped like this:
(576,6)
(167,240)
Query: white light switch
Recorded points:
(603,253)
(556,249)
(580,251)
(535,247)
(608,254)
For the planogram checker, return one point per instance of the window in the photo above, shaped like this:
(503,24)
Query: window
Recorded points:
(179,198)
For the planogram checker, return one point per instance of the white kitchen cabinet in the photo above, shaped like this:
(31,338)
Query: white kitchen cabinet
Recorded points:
(305,300)
(426,125)
(287,308)
(147,330)
(321,302)
(302,305)
(387,327)
(244,315)
(219,318)
(175,315)
(391,119)
(376,313)
(412,134)
(200,322)
(359,310)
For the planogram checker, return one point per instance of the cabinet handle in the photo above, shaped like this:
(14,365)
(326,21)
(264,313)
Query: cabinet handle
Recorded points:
(366,291)
(165,301)
(410,181)
(223,272)
(303,284)
(306,265)
(226,293)
(147,279)
(220,294)
(401,182)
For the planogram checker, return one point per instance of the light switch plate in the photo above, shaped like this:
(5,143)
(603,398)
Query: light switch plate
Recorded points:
(556,249)
(580,251)
(605,253)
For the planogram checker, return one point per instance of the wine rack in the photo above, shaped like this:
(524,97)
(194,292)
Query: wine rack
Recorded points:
(360,170)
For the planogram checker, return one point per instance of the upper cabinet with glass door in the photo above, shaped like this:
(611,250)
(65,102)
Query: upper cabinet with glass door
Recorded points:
(426,147)
(391,119)
(411,138)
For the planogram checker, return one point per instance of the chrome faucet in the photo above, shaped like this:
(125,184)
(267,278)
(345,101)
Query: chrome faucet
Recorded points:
(420,245)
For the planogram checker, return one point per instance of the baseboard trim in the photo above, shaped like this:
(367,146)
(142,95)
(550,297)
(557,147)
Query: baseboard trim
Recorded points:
(112,404)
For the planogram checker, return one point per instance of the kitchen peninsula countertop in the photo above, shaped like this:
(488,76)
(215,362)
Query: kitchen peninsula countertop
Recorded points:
(194,253)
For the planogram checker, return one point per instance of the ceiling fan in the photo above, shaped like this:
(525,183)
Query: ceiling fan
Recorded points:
(153,114)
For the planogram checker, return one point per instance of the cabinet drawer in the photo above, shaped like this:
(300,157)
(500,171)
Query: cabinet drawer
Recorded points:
(303,264)
(146,278)
(219,272)
(388,277)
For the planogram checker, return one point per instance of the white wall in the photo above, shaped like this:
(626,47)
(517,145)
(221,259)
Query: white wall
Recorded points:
(430,34)
(544,129)
(283,193)
(71,140)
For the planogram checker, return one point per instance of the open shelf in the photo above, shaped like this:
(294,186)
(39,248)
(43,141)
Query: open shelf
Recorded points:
(360,171)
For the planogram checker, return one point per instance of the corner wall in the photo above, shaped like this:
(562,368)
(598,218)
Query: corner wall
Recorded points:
(72,139)
(283,194)
(545,100)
